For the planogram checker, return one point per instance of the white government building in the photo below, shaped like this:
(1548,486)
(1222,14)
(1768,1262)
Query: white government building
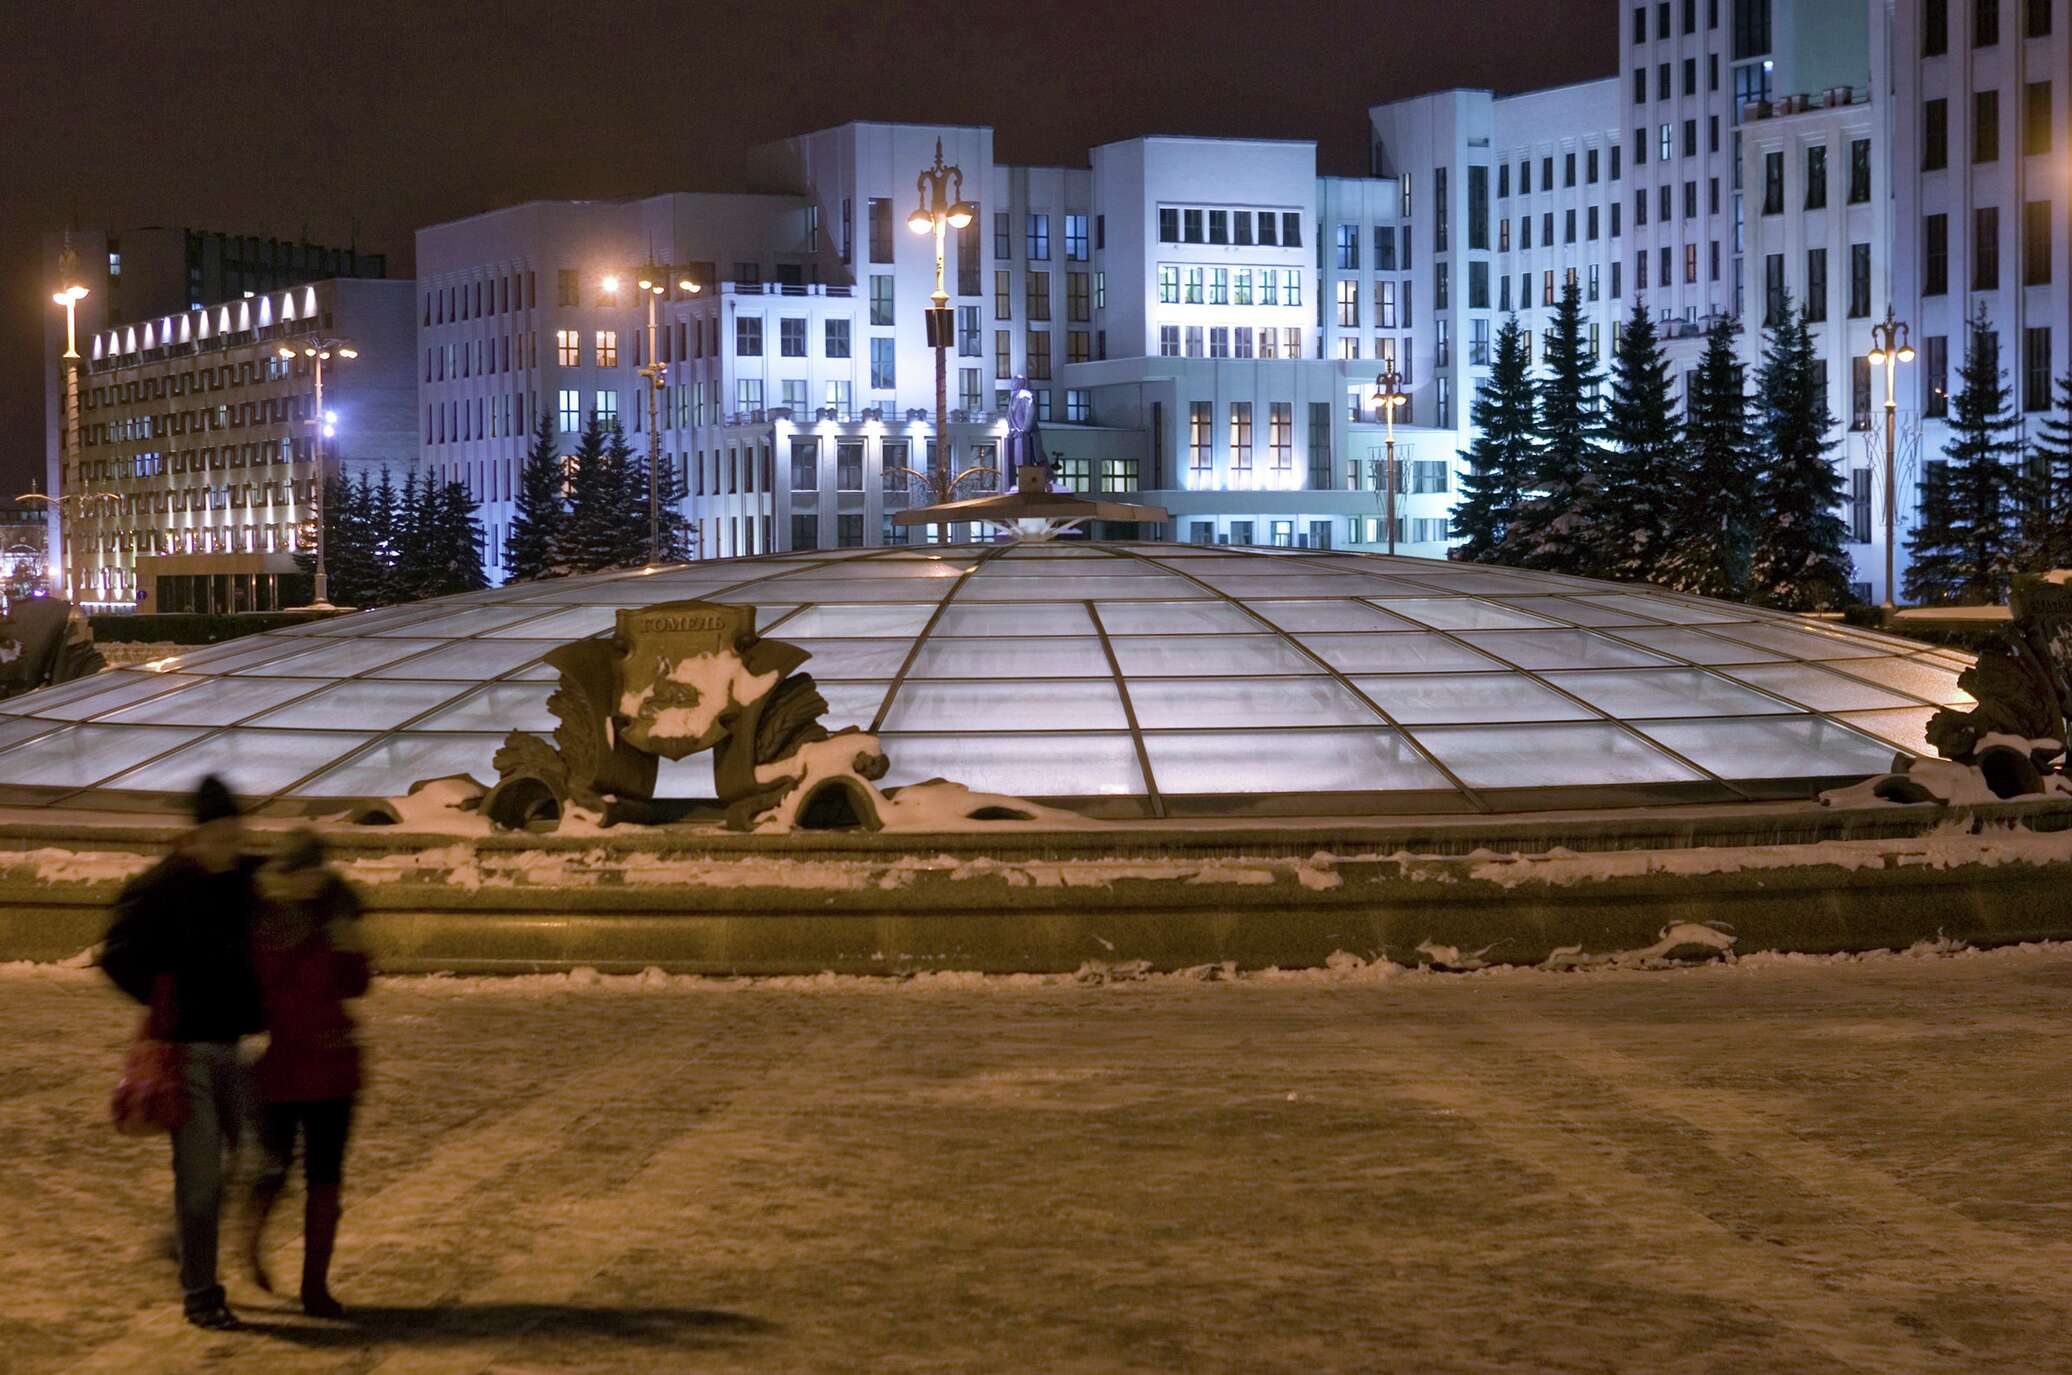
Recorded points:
(1203,320)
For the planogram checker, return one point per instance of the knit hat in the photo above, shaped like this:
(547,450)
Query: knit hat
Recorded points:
(212,801)
(301,848)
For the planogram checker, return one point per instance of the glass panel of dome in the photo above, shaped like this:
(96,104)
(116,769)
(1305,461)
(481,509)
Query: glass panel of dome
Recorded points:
(472,621)
(468,661)
(1201,703)
(239,654)
(1062,704)
(339,658)
(1419,652)
(14,731)
(1801,644)
(375,621)
(373,705)
(865,621)
(534,673)
(884,569)
(81,756)
(1329,615)
(1153,656)
(1092,566)
(1446,698)
(1539,649)
(1576,611)
(1815,687)
(850,704)
(497,707)
(1173,618)
(1249,585)
(255,763)
(1023,618)
(1696,645)
(1050,764)
(1906,727)
(918,591)
(1928,681)
(1076,588)
(690,777)
(1640,694)
(853,658)
(575,623)
(1440,576)
(1461,613)
(214,702)
(1550,756)
(389,766)
(1666,609)
(118,688)
(1007,658)
(1778,747)
(1297,761)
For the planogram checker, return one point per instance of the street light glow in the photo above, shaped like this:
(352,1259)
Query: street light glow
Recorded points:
(688,286)
(921,222)
(610,284)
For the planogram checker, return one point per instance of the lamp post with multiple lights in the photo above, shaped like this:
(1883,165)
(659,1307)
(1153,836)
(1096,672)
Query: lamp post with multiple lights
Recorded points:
(1388,395)
(654,284)
(319,352)
(941,209)
(68,298)
(1889,348)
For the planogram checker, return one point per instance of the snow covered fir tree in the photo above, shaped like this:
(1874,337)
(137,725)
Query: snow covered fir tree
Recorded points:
(1711,520)
(1964,550)
(1551,528)
(385,545)
(1501,463)
(1798,562)
(1641,461)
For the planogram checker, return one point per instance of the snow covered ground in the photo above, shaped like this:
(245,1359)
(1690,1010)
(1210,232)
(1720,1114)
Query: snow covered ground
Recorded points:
(1784,1164)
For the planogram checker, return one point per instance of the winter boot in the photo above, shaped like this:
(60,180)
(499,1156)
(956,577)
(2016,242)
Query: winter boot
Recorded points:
(265,1191)
(319,1235)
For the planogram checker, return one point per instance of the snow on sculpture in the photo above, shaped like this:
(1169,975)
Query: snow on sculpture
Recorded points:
(674,680)
(2011,743)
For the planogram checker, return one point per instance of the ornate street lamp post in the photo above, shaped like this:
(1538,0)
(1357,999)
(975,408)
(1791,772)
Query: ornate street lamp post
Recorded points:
(1388,395)
(654,284)
(319,352)
(68,298)
(941,210)
(1889,347)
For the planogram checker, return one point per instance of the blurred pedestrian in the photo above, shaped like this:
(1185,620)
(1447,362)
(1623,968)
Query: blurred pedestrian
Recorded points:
(181,944)
(309,961)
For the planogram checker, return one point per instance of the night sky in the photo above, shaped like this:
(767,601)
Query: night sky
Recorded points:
(291,119)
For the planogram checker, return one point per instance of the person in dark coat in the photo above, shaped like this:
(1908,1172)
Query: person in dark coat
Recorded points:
(181,944)
(309,963)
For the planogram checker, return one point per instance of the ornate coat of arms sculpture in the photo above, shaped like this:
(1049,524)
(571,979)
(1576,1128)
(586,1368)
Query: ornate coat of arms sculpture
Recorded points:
(674,680)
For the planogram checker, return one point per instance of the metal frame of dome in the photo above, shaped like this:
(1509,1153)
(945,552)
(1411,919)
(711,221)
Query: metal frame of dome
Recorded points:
(1128,680)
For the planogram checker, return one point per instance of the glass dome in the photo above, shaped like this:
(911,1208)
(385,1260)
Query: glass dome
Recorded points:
(1122,680)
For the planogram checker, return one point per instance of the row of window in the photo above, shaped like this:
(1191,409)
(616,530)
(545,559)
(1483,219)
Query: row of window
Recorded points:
(1228,341)
(1985,24)
(1239,228)
(1817,177)
(2037,224)
(1985,126)
(1386,237)
(1568,172)
(1662,87)
(225,376)
(1224,286)
(1690,19)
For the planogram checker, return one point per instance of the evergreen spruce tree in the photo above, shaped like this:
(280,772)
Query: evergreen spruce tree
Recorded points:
(539,510)
(1640,472)
(677,535)
(1711,530)
(1501,461)
(2047,506)
(630,468)
(1964,549)
(404,514)
(1798,562)
(592,537)
(1551,529)
(450,559)
(350,556)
